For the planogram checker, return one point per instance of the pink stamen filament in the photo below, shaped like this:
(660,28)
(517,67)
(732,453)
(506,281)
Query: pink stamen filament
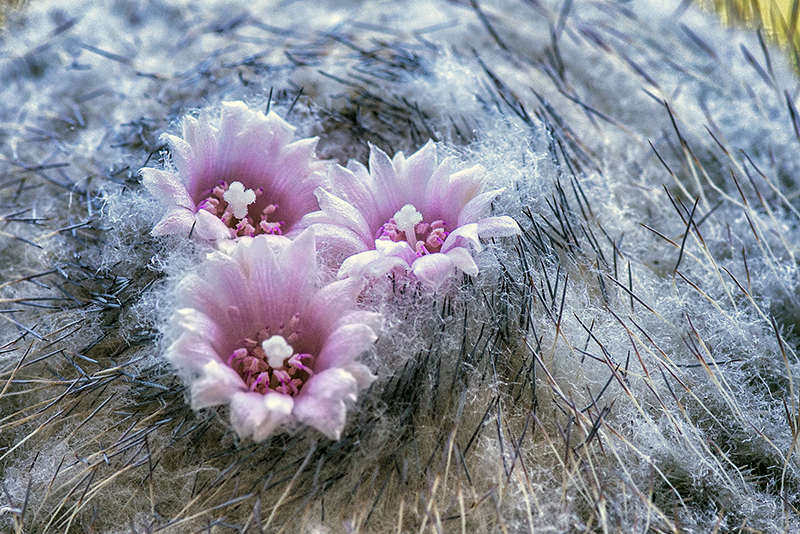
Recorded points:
(215,204)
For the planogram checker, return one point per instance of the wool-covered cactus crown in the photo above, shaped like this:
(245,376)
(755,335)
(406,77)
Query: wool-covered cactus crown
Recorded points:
(496,266)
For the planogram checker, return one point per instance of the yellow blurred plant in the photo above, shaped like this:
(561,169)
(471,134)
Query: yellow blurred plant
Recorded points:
(778,19)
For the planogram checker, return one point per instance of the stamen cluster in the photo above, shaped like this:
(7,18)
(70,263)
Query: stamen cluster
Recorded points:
(427,238)
(220,203)
(269,363)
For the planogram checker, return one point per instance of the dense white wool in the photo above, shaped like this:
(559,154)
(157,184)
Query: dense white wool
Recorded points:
(628,363)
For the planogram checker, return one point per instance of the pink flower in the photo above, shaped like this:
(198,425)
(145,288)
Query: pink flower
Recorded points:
(244,177)
(254,332)
(408,213)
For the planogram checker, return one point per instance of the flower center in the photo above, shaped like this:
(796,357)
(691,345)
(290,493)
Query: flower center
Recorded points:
(231,203)
(269,363)
(407,225)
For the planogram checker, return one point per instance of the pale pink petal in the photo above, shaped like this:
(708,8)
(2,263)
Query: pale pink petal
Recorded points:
(323,307)
(221,295)
(362,374)
(244,144)
(400,249)
(263,276)
(315,217)
(218,385)
(391,194)
(370,264)
(181,153)
(344,345)
(462,235)
(250,254)
(195,293)
(433,269)
(372,319)
(343,213)
(210,228)
(355,186)
(197,323)
(435,197)
(384,265)
(190,124)
(176,221)
(399,162)
(299,153)
(269,241)
(321,403)
(279,131)
(462,187)
(360,173)
(248,143)
(294,163)
(234,142)
(299,262)
(338,242)
(502,226)
(355,265)
(259,416)
(189,354)
(251,138)
(462,259)
(419,167)
(204,155)
(166,186)
(476,207)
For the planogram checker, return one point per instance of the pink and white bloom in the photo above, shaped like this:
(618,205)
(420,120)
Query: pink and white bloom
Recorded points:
(407,213)
(255,333)
(243,176)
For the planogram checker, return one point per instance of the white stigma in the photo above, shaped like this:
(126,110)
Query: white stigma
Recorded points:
(238,199)
(276,350)
(406,219)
